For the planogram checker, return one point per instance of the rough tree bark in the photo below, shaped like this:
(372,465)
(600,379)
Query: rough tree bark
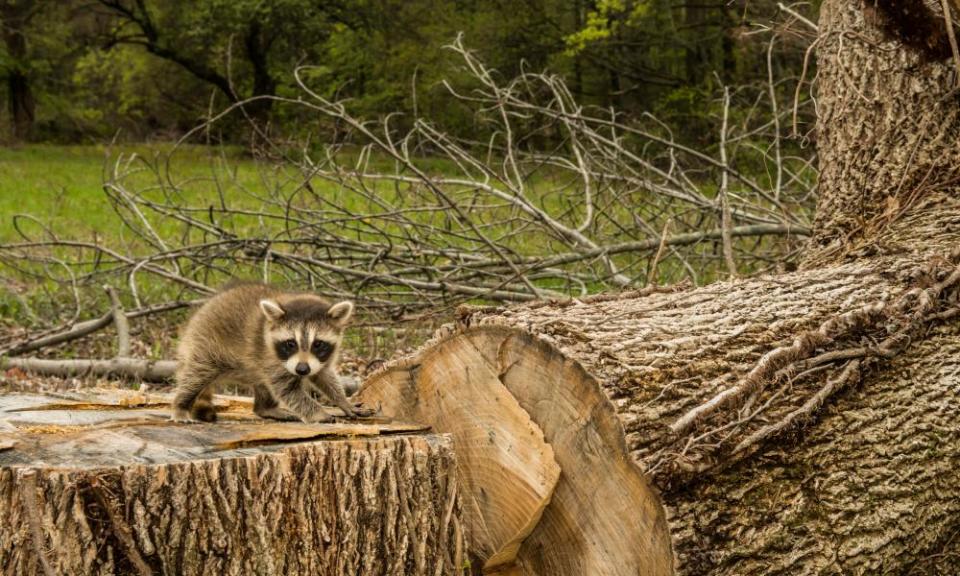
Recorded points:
(806,423)
(94,488)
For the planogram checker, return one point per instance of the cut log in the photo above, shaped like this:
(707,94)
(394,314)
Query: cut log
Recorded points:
(670,463)
(583,529)
(505,461)
(105,484)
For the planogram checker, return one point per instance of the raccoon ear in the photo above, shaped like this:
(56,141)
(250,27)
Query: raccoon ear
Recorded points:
(340,312)
(271,310)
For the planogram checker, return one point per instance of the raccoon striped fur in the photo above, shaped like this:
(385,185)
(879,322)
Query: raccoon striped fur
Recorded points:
(285,345)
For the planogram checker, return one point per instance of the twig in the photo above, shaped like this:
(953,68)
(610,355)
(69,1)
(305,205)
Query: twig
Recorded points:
(798,16)
(652,273)
(771,87)
(120,321)
(504,220)
(951,36)
(849,374)
(726,222)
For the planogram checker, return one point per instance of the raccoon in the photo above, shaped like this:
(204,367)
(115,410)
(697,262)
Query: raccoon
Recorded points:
(285,345)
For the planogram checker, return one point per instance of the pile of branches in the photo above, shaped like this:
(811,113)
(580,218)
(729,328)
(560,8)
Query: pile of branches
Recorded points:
(552,199)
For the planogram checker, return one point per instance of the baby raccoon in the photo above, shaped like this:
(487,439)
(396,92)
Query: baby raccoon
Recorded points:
(285,345)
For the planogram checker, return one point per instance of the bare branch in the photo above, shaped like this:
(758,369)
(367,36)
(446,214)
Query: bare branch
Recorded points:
(120,321)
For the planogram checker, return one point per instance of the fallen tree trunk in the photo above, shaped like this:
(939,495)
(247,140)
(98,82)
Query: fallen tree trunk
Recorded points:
(92,487)
(805,423)
(872,487)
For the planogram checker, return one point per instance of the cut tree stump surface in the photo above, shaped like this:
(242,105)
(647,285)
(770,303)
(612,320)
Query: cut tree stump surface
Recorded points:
(102,482)
(95,429)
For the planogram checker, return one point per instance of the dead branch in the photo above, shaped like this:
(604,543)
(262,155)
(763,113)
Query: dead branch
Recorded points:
(725,221)
(553,199)
(140,369)
(86,328)
(120,321)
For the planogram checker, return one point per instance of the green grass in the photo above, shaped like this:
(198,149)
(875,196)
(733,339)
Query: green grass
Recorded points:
(54,184)
(62,186)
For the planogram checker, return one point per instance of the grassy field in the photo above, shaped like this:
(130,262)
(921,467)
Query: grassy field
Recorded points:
(62,186)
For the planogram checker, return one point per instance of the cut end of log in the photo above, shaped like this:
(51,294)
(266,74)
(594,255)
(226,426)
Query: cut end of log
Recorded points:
(541,455)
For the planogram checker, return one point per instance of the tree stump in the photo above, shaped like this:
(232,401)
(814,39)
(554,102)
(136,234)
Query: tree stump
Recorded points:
(98,483)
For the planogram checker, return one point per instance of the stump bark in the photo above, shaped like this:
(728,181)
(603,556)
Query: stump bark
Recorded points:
(106,485)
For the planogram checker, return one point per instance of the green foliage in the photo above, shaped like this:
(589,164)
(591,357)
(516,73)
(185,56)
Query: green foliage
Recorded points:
(607,20)
(154,68)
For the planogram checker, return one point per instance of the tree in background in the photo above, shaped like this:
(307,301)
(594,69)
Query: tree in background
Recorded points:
(236,47)
(15,16)
(150,67)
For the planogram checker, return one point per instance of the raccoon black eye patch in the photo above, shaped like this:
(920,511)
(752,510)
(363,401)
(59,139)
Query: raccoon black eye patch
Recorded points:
(321,349)
(286,348)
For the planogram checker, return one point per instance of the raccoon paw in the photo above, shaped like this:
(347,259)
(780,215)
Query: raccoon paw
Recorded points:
(181,416)
(204,413)
(277,413)
(360,411)
(318,417)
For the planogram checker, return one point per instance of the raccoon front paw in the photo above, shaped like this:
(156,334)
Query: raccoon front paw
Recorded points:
(204,413)
(317,418)
(360,411)
(278,413)
(181,416)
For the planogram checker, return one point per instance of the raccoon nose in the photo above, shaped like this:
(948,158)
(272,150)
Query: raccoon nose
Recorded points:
(303,368)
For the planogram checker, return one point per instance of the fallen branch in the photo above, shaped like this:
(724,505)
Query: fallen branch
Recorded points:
(88,327)
(147,370)
(131,368)
(120,321)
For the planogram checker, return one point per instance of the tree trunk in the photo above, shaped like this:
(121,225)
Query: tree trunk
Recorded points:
(21,104)
(807,423)
(887,127)
(264,85)
(93,488)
